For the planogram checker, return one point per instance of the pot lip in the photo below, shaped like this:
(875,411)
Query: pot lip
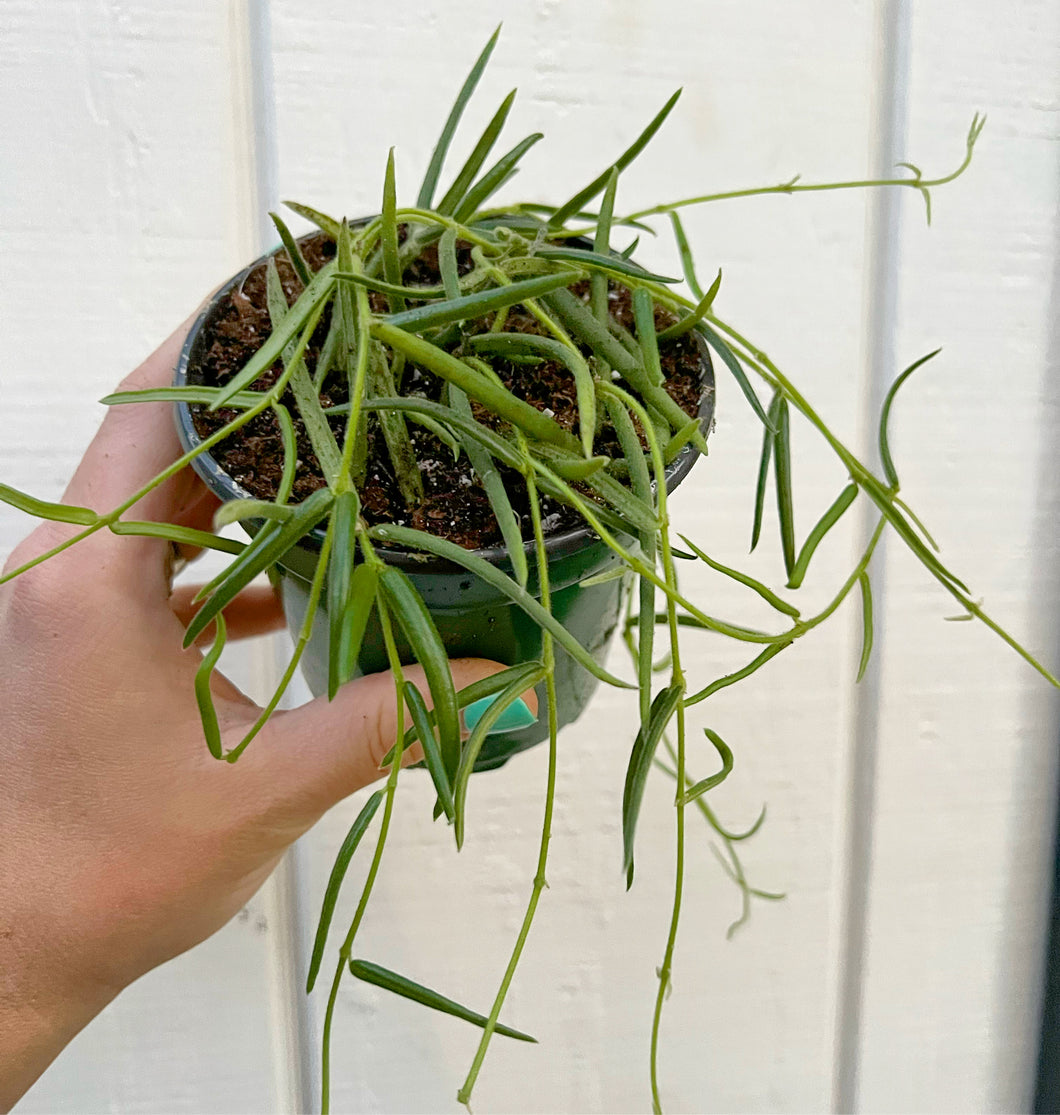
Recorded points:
(559,545)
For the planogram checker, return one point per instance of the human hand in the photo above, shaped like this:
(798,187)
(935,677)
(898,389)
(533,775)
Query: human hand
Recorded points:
(124,842)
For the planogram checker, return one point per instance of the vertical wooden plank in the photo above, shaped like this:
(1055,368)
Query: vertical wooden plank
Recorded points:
(768,93)
(119,213)
(890,81)
(968,733)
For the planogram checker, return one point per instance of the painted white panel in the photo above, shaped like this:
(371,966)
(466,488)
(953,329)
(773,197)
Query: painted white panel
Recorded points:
(968,733)
(117,215)
(768,93)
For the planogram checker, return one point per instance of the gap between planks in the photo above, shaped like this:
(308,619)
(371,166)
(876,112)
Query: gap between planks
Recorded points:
(891,34)
(255,151)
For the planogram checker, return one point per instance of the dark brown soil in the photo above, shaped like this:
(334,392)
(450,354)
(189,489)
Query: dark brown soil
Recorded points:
(455,505)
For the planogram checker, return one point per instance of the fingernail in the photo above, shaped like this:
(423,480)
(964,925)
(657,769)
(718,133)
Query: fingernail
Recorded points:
(517,715)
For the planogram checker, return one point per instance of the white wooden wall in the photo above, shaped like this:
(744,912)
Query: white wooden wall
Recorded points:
(909,819)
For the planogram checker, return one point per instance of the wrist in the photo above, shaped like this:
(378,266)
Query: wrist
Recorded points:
(41,1009)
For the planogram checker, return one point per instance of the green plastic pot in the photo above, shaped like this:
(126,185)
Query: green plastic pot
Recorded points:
(473,619)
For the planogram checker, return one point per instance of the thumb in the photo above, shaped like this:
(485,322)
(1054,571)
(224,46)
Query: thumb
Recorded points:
(318,754)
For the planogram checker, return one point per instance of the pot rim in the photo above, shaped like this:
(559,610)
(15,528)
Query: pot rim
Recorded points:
(558,545)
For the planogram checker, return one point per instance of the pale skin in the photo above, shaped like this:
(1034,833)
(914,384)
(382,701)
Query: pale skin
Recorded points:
(124,843)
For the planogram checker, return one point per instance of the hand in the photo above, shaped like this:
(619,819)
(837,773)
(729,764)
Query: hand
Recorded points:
(124,842)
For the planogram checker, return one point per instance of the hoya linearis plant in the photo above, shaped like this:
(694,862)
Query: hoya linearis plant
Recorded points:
(561,266)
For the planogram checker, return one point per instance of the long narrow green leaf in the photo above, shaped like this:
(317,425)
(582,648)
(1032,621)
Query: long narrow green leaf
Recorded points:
(685,252)
(290,453)
(193,394)
(496,493)
(738,675)
(885,414)
(644,316)
(635,511)
(400,985)
(308,307)
(569,467)
(640,759)
(691,320)
(471,306)
(680,440)
(782,476)
(171,532)
(305,394)
(203,694)
(614,574)
(403,461)
(235,510)
(640,480)
(371,282)
(344,513)
(763,591)
(328,225)
(598,280)
(329,351)
(265,535)
(42,509)
(440,547)
(441,148)
(462,183)
(389,236)
(728,358)
(442,433)
(865,584)
(768,439)
(512,692)
(596,261)
(493,179)
(447,264)
(358,608)
(627,156)
(294,253)
(351,303)
(538,425)
(828,520)
(416,622)
(258,557)
(432,754)
(705,784)
(275,296)
(338,873)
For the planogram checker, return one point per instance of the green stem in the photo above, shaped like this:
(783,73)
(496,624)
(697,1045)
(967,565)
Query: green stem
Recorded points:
(539,883)
(917,182)
(266,400)
(677,680)
(315,588)
(346,950)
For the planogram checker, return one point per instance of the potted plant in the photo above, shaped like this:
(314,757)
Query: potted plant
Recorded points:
(426,333)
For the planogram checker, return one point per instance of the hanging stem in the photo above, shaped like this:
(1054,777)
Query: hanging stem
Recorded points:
(346,950)
(677,681)
(549,660)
